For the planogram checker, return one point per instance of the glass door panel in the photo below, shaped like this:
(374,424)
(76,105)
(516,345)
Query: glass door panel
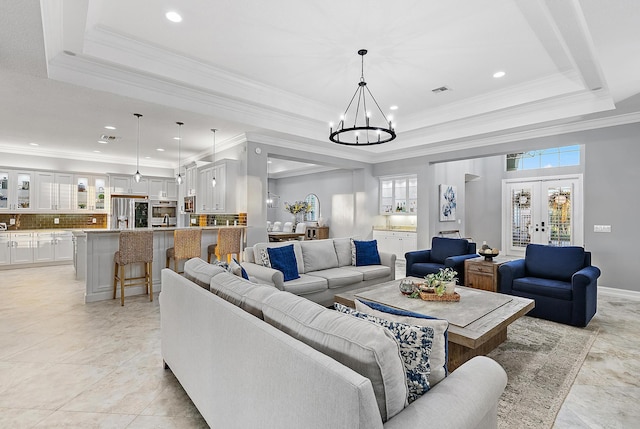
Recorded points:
(4,190)
(24,191)
(82,193)
(100,186)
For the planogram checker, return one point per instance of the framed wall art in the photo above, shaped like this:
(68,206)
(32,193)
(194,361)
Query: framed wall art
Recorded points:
(448,196)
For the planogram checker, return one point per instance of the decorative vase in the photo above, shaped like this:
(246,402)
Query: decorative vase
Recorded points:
(320,221)
(450,287)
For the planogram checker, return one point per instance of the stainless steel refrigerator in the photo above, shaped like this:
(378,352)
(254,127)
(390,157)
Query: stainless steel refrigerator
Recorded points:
(129,212)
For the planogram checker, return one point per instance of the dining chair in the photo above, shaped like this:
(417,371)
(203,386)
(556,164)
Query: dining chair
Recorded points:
(277,226)
(288,227)
(133,247)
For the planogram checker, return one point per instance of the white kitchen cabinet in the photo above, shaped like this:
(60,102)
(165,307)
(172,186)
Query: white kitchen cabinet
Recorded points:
(54,191)
(21,248)
(396,242)
(191,180)
(90,193)
(52,246)
(5,248)
(222,197)
(126,185)
(399,195)
(15,190)
(163,189)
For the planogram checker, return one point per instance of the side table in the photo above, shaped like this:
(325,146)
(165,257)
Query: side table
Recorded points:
(481,274)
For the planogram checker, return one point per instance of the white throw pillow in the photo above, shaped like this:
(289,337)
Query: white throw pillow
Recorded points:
(439,349)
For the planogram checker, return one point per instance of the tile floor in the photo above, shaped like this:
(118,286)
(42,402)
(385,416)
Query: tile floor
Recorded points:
(67,364)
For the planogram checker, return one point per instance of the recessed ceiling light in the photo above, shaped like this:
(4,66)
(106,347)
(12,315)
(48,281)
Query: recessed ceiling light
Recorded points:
(147,157)
(393,107)
(34,144)
(269,162)
(110,127)
(96,151)
(160,149)
(176,138)
(173,16)
(103,142)
(499,74)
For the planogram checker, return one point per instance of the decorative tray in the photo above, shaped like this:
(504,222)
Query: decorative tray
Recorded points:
(434,297)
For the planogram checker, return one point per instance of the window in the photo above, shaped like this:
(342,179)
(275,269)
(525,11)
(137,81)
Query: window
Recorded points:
(544,158)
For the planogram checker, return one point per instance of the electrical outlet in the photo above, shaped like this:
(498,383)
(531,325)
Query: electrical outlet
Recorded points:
(56,220)
(12,221)
(94,220)
(193,221)
(601,228)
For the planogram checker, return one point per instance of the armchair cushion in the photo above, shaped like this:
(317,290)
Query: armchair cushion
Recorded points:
(442,248)
(558,263)
(544,287)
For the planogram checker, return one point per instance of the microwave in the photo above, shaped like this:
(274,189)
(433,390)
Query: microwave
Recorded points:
(163,213)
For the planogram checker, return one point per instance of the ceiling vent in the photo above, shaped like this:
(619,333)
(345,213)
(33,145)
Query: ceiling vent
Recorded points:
(109,139)
(441,89)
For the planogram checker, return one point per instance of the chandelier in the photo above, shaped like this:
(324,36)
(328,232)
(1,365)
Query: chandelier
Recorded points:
(362,133)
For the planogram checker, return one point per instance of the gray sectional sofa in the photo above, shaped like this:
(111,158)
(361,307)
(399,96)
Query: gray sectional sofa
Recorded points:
(252,356)
(325,268)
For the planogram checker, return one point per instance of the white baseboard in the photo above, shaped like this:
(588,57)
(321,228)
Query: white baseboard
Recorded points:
(621,293)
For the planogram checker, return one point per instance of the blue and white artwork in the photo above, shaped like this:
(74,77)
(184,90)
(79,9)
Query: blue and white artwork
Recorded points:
(448,195)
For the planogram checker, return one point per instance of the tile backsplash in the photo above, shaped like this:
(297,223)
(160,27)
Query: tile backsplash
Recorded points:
(26,221)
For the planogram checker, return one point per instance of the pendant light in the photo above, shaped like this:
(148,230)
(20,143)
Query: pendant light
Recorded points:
(137,177)
(213,181)
(179,177)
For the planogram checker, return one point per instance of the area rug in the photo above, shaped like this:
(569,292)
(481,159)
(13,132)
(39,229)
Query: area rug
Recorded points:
(541,359)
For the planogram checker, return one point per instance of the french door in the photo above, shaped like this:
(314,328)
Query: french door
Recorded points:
(542,211)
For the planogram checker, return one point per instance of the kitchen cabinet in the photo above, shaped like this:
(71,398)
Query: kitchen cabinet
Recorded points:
(5,248)
(54,191)
(191,180)
(222,197)
(53,246)
(21,248)
(163,189)
(15,190)
(126,185)
(91,193)
(399,195)
(396,242)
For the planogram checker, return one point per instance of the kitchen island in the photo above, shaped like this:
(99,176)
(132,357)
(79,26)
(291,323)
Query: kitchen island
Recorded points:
(96,247)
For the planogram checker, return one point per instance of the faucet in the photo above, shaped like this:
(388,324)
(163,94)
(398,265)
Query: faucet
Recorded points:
(165,219)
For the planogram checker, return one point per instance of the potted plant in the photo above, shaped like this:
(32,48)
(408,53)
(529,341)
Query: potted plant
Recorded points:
(444,281)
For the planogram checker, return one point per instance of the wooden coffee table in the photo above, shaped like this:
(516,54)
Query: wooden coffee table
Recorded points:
(477,323)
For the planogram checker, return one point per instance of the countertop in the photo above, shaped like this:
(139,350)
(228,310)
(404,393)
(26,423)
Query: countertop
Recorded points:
(395,228)
(158,229)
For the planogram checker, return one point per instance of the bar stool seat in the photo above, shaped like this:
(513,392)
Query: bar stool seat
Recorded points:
(186,245)
(133,247)
(229,243)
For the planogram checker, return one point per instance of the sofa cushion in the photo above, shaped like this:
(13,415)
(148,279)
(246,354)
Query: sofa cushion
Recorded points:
(259,247)
(366,253)
(442,248)
(283,259)
(550,262)
(366,348)
(318,255)
(338,277)
(557,289)
(306,284)
(343,251)
(242,293)
(440,347)
(200,272)
(372,272)
(414,343)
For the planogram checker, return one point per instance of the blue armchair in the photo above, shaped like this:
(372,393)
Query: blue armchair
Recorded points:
(561,280)
(444,253)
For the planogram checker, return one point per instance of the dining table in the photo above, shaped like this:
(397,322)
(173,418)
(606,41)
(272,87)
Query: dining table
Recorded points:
(285,236)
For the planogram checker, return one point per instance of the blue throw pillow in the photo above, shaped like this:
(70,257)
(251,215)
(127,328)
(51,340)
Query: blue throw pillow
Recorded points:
(243,272)
(366,253)
(284,259)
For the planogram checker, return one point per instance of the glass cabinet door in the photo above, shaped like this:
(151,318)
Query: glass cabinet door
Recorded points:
(100,187)
(4,190)
(82,193)
(386,196)
(23,199)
